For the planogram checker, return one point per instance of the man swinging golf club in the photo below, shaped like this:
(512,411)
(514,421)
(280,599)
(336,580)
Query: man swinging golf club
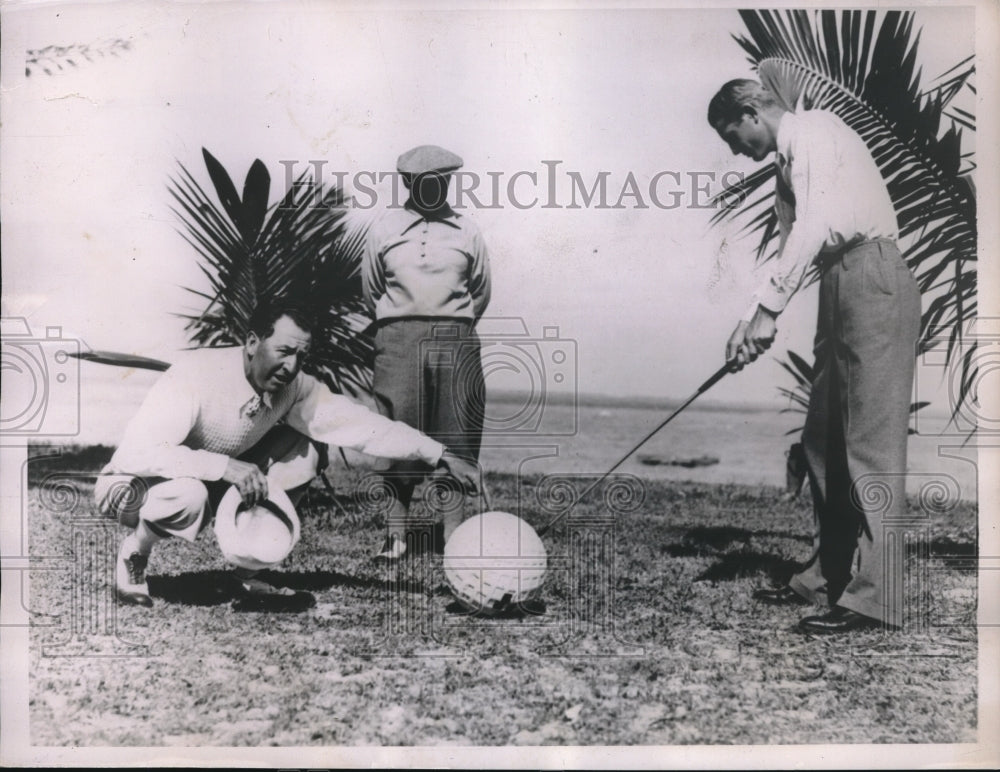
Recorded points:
(242,417)
(833,209)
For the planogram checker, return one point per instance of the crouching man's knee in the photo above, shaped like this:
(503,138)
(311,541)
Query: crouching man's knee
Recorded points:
(177,507)
(295,470)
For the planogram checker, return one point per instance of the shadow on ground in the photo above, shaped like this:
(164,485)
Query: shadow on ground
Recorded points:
(212,588)
(736,559)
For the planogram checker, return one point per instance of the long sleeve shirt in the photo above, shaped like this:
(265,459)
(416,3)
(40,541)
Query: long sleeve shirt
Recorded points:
(829,195)
(203,411)
(415,266)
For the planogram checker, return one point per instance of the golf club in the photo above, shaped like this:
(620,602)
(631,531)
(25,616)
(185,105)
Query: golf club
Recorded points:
(714,379)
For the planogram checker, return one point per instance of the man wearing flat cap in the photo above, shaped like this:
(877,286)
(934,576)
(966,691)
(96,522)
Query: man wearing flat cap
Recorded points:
(426,280)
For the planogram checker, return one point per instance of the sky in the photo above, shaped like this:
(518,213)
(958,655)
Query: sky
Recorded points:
(644,298)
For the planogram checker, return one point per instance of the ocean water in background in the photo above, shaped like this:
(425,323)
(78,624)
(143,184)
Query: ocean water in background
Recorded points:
(750,443)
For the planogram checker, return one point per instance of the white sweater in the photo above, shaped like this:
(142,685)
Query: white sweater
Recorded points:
(200,414)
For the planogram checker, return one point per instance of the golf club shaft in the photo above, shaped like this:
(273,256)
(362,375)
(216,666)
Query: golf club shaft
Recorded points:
(714,379)
(484,496)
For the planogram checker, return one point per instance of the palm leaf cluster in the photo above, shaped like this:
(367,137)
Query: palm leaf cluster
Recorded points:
(303,247)
(53,59)
(863,67)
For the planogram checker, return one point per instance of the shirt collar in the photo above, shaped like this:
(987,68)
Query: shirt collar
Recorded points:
(448,216)
(245,394)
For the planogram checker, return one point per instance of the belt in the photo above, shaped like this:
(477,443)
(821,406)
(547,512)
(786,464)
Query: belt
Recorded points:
(829,259)
(442,320)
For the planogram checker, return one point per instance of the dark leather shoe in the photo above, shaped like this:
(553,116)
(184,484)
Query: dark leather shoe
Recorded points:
(779,596)
(130,578)
(838,620)
(133,598)
(256,595)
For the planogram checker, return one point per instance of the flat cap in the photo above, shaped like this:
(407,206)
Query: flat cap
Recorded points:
(428,158)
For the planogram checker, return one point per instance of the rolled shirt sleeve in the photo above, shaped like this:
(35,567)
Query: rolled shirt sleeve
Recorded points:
(152,443)
(336,420)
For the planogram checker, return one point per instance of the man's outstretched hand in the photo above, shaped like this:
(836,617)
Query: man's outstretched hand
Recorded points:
(464,472)
(750,339)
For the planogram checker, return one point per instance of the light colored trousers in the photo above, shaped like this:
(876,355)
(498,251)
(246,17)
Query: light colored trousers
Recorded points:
(183,506)
(856,428)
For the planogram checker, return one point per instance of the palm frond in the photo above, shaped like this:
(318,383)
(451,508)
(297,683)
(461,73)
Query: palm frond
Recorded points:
(302,246)
(55,59)
(802,373)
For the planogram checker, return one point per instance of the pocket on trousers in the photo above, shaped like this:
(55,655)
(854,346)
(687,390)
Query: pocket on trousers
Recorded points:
(880,274)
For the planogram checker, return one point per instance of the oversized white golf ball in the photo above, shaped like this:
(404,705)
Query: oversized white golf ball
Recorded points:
(494,561)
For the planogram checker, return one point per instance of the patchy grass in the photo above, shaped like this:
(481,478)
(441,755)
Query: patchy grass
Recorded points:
(650,636)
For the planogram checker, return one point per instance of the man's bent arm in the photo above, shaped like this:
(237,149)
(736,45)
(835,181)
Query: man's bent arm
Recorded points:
(812,176)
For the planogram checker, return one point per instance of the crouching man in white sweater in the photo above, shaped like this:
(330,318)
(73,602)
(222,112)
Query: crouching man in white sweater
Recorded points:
(212,420)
